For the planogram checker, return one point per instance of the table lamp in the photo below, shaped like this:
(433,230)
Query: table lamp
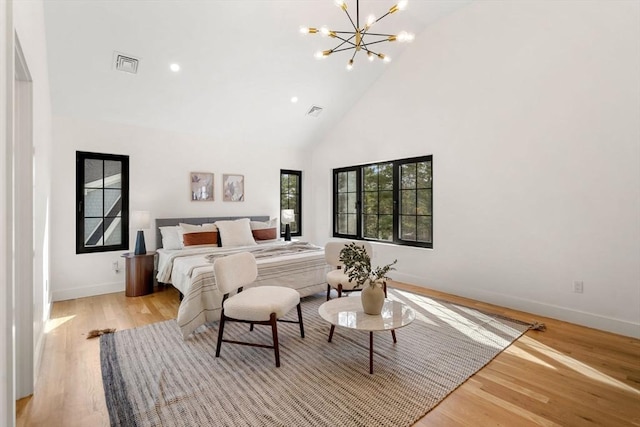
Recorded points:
(140,220)
(287,216)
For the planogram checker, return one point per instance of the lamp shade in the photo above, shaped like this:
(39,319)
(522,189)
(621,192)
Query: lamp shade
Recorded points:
(140,220)
(287,216)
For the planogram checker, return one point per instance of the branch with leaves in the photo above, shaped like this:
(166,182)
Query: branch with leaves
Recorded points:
(357,265)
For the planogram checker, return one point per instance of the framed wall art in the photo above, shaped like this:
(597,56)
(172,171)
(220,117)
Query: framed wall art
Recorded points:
(232,188)
(201,187)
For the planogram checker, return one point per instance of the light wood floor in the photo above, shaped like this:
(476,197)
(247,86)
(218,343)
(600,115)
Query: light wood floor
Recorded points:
(567,376)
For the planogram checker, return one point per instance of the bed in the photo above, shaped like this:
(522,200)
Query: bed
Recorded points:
(298,265)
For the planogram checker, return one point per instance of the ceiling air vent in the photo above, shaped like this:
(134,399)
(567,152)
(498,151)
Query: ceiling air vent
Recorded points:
(126,63)
(314,111)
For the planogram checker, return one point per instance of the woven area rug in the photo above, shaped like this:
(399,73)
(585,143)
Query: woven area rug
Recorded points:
(152,377)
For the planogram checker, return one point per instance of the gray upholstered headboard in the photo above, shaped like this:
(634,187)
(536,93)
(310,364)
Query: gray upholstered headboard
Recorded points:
(165,222)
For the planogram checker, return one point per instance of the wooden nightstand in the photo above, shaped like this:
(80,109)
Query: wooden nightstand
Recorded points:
(139,273)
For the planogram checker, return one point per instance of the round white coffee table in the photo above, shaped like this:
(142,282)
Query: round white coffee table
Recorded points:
(347,312)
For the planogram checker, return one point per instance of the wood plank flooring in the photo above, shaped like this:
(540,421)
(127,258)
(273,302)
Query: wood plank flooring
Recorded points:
(567,376)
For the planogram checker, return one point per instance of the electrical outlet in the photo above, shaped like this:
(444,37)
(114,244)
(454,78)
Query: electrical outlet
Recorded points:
(578,287)
(115,266)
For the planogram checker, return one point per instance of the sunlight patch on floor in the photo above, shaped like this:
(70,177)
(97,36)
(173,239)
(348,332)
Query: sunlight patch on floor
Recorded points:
(455,320)
(576,365)
(54,323)
(518,352)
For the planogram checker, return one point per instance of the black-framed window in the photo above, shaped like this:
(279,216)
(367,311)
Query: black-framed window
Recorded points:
(102,202)
(291,198)
(387,201)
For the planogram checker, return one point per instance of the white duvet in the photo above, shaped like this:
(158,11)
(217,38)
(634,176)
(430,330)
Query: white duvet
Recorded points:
(189,270)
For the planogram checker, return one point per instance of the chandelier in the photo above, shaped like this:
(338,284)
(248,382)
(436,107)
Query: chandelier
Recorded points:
(360,38)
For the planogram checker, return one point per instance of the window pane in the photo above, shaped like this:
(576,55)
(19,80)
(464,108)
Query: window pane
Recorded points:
(342,224)
(113,235)
(93,173)
(371,226)
(385,177)
(408,228)
(370,178)
(293,202)
(352,178)
(93,203)
(351,202)
(385,224)
(370,203)
(424,175)
(93,232)
(112,174)
(342,203)
(386,202)
(284,201)
(424,202)
(342,182)
(352,223)
(424,229)
(112,203)
(408,202)
(293,184)
(408,175)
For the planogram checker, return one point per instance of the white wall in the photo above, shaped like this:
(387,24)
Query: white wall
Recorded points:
(531,111)
(30,29)
(7,383)
(160,163)
(23,19)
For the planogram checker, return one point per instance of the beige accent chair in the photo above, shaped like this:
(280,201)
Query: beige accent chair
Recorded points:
(261,305)
(337,279)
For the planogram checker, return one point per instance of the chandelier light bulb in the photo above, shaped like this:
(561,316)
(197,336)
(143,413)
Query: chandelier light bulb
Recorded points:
(341,4)
(174,67)
(324,30)
(403,36)
(371,19)
(370,56)
(318,55)
(304,30)
(402,4)
(350,65)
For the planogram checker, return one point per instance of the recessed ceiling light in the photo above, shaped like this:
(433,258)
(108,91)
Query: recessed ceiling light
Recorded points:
(294,99)
(174,67)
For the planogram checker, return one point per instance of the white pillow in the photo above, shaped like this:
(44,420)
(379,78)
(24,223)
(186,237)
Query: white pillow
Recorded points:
(259,225)
(235,233)
(170,237)
(190,228)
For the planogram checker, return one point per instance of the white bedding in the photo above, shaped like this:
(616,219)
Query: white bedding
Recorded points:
(192,274)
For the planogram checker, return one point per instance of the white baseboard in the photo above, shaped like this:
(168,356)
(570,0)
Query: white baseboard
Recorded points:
(591,320)
(88,291)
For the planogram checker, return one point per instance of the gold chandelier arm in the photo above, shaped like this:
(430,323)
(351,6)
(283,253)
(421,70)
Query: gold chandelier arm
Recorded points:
(350,20)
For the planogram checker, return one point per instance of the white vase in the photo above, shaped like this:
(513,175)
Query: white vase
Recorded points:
(372,298)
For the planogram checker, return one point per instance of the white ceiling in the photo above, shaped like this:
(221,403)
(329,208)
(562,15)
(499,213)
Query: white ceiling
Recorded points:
(241,62)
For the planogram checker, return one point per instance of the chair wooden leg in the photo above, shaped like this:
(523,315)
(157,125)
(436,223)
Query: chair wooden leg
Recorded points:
(333,328)
(274,331)
(220,332)
(300,321)
(339,291)
(328,292)
(393,334)
(384,287)
(251,327)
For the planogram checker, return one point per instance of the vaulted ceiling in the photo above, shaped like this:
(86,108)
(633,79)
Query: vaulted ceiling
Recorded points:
(241,63)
